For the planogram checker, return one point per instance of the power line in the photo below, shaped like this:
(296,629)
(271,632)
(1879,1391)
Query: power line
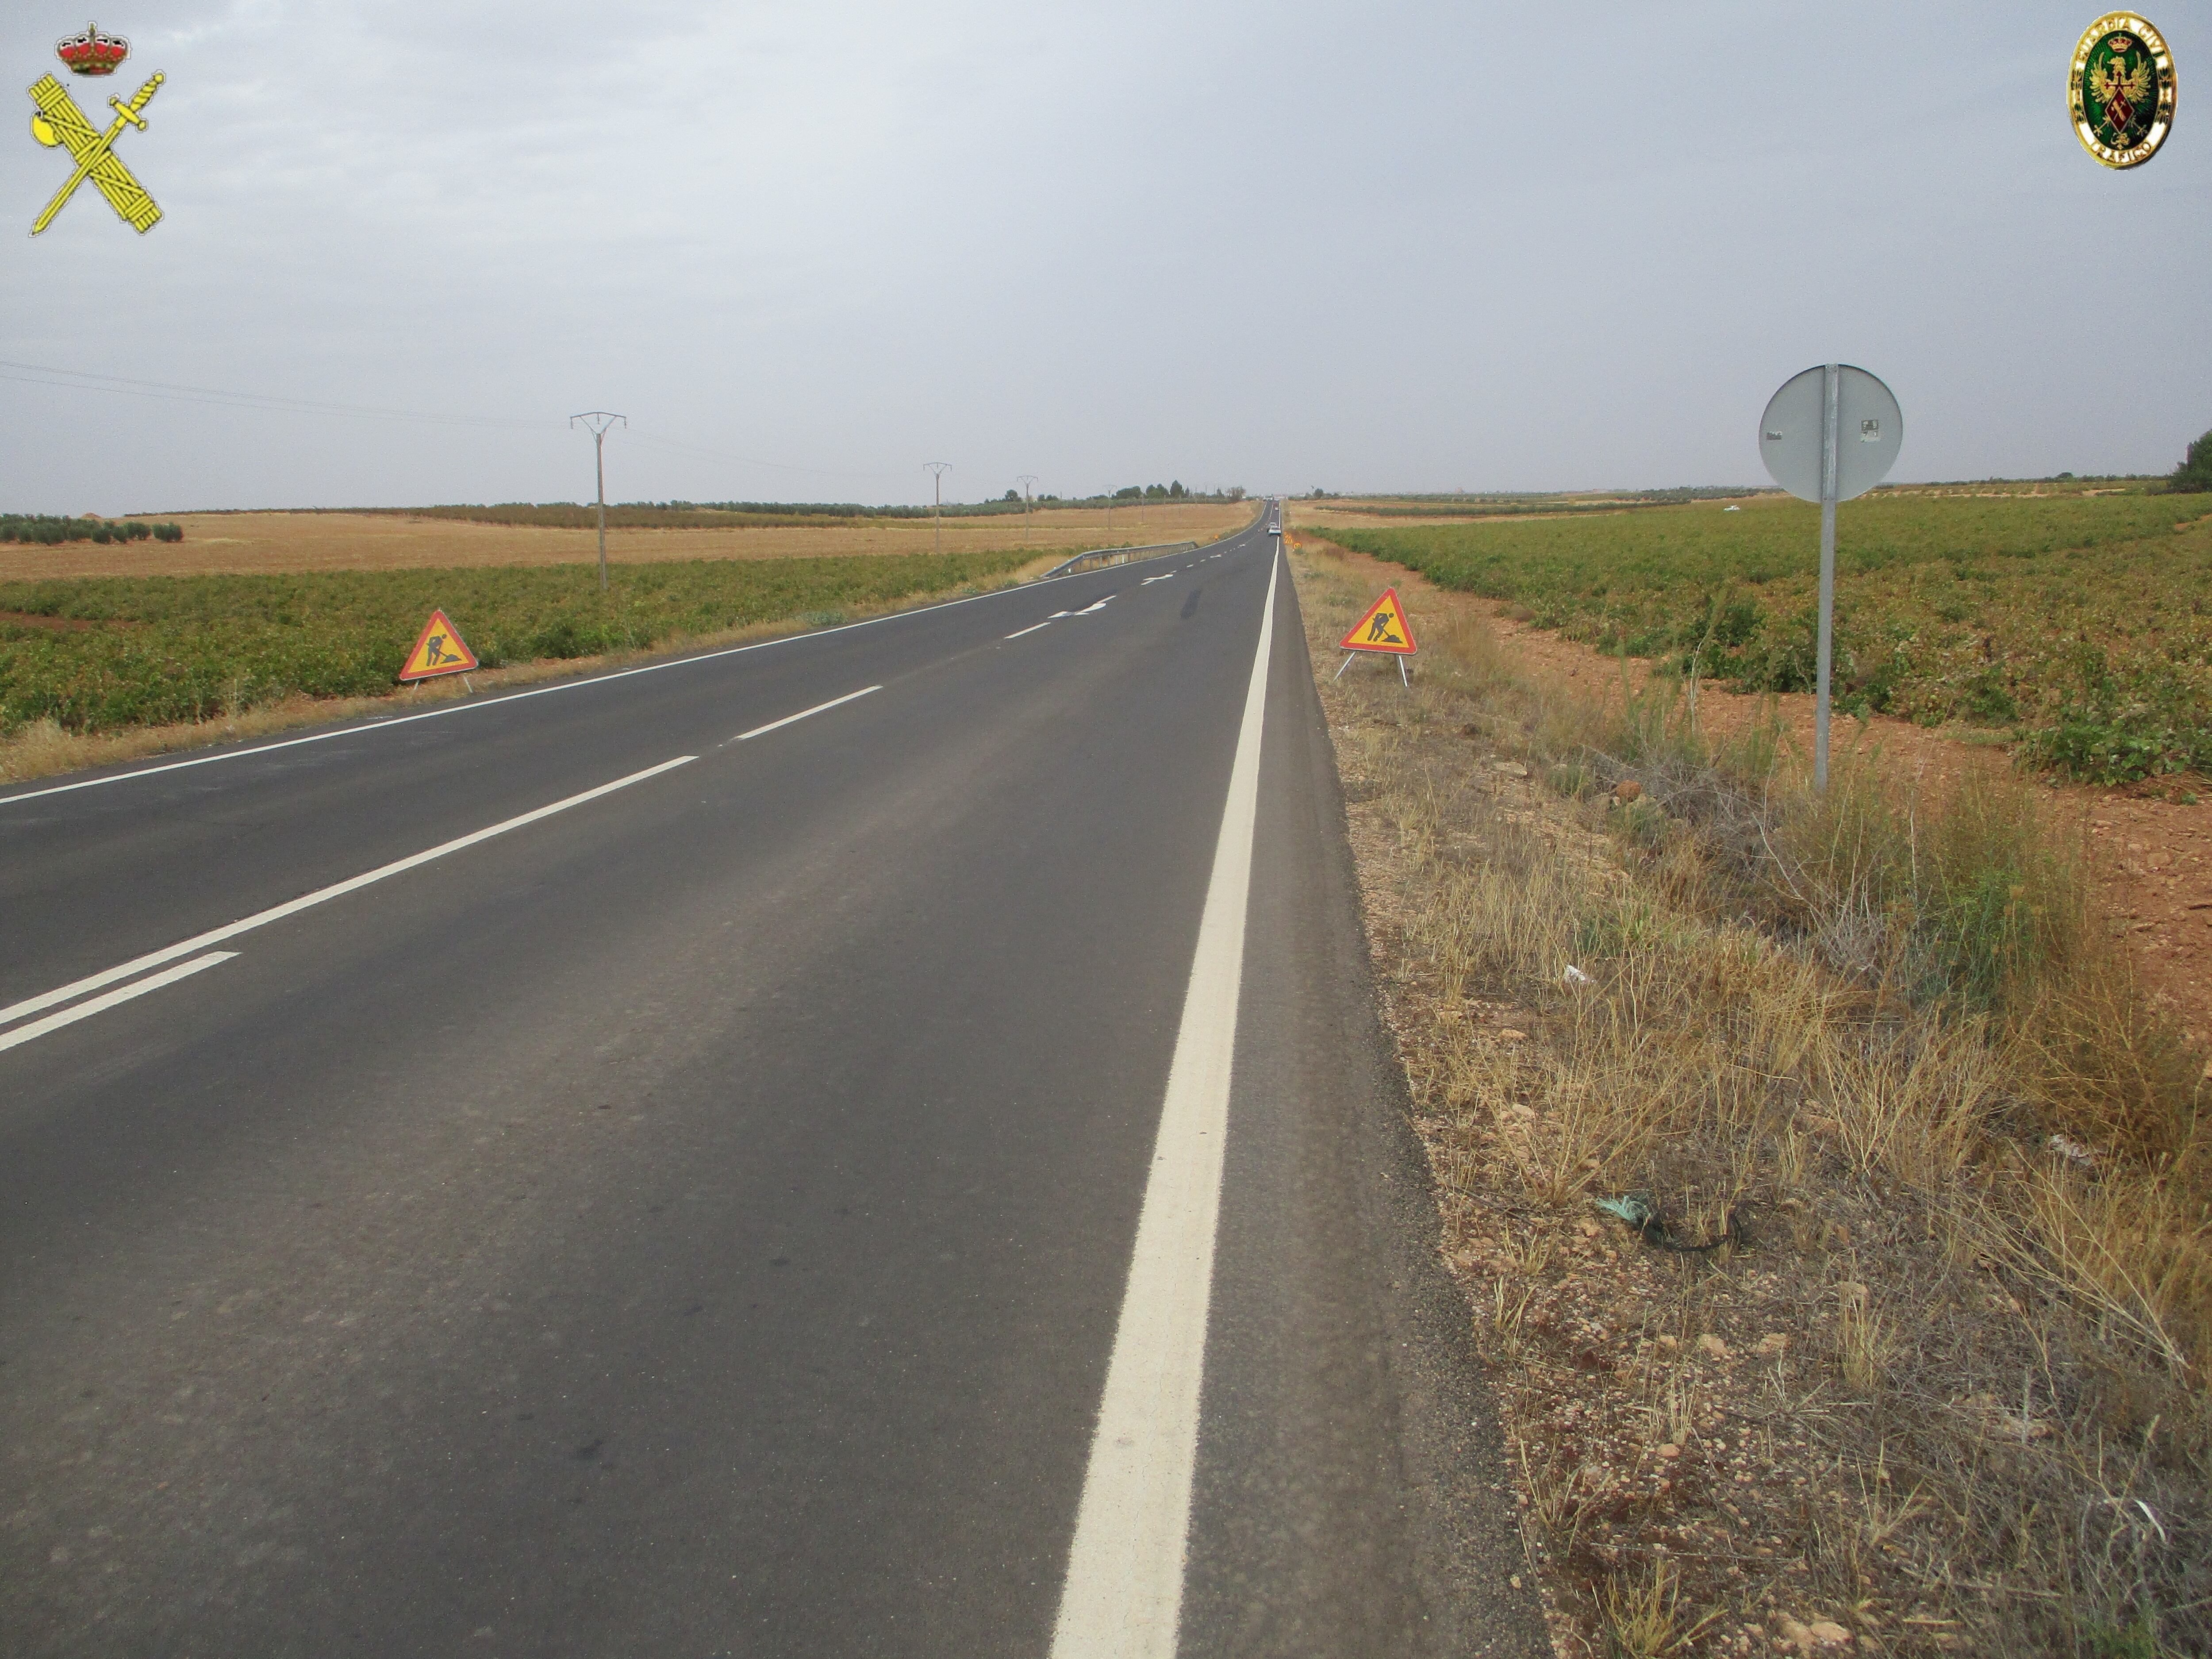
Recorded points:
(76,379)
(753,460)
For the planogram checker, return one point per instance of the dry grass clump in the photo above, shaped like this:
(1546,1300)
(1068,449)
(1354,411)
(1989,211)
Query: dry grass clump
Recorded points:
(1897,1329)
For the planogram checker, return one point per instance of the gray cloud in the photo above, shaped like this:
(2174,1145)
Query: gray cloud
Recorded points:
(1417,247)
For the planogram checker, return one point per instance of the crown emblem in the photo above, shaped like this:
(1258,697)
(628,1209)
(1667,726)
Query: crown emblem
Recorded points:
(93,52)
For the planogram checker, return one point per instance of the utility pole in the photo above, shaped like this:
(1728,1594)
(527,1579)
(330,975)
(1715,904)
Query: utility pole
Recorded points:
(597,421)
(940,468)
(1027,482)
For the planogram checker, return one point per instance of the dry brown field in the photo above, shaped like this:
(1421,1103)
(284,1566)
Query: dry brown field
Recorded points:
(266,544)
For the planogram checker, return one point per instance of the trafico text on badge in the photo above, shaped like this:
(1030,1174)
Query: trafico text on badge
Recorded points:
(2120,90)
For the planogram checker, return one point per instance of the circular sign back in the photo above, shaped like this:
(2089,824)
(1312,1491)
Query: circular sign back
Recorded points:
(2121,90)
(1868,432)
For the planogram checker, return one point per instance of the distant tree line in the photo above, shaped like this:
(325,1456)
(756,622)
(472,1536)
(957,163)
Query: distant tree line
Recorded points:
(631,516)
(703,515)
(1011,502)
(50,530)
(1176,491)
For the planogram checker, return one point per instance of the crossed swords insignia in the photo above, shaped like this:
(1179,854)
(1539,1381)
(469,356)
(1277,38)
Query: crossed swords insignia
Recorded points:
(60,122)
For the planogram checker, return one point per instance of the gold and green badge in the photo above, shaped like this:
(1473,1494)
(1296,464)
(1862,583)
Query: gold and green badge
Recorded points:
(2121,90)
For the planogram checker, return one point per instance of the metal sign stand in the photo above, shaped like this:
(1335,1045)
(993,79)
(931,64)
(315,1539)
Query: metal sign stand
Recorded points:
(1402,677)
(1831,378)
(1802,438)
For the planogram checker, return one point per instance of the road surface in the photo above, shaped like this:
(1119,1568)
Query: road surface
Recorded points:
(871,1144)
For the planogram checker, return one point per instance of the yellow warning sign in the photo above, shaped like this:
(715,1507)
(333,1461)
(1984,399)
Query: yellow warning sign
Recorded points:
(439,650)
(1382,629)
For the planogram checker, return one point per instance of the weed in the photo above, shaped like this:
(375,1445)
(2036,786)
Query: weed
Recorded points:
(1644,1613)
(2137,1639)
(1864,1341)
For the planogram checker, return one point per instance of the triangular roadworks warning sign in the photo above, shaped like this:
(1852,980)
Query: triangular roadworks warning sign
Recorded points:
(439,650)
(1382,629)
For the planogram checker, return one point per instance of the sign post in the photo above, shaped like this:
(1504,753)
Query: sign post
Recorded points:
(1828,434)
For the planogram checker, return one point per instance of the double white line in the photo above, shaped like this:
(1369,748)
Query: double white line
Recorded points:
(64,999)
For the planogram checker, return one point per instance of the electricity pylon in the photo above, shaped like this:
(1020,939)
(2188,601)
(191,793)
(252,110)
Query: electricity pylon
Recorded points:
(940,468)
(598,420)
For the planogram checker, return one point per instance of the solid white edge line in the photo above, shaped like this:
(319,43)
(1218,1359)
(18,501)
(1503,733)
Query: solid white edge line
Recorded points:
(772,726)
(320,896)
(38,1028)
(1032,628)
(1123,1595)
(383,722)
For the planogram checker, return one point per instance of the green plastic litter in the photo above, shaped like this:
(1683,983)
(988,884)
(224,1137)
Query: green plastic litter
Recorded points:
(1637,1210)
(1633,1207)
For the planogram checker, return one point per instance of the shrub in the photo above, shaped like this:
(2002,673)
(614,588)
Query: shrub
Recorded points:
(2194,476)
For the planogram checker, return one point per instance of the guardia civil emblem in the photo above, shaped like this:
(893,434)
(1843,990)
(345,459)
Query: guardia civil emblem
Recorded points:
(2121,90)
(60,125)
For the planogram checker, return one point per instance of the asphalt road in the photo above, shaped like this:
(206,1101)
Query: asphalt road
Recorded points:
(698,1219)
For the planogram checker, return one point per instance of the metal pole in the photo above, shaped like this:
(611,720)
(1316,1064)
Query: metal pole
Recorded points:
(940,468)
(599,448)
(1027,482)
(597,421)
(1825,648)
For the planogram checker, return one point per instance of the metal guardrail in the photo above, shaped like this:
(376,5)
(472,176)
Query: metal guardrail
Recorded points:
(1099,558)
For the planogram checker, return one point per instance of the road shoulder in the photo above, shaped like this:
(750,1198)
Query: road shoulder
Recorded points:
(1352,1495)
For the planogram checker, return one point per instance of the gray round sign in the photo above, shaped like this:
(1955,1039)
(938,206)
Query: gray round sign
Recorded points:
(1792,439)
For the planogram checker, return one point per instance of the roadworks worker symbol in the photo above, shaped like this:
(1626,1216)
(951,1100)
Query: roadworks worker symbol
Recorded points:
(1382,629)
(60,124)
(2120,90)
(439,650)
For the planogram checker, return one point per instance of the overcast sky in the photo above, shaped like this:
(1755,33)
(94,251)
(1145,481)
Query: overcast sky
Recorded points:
(1416,246)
